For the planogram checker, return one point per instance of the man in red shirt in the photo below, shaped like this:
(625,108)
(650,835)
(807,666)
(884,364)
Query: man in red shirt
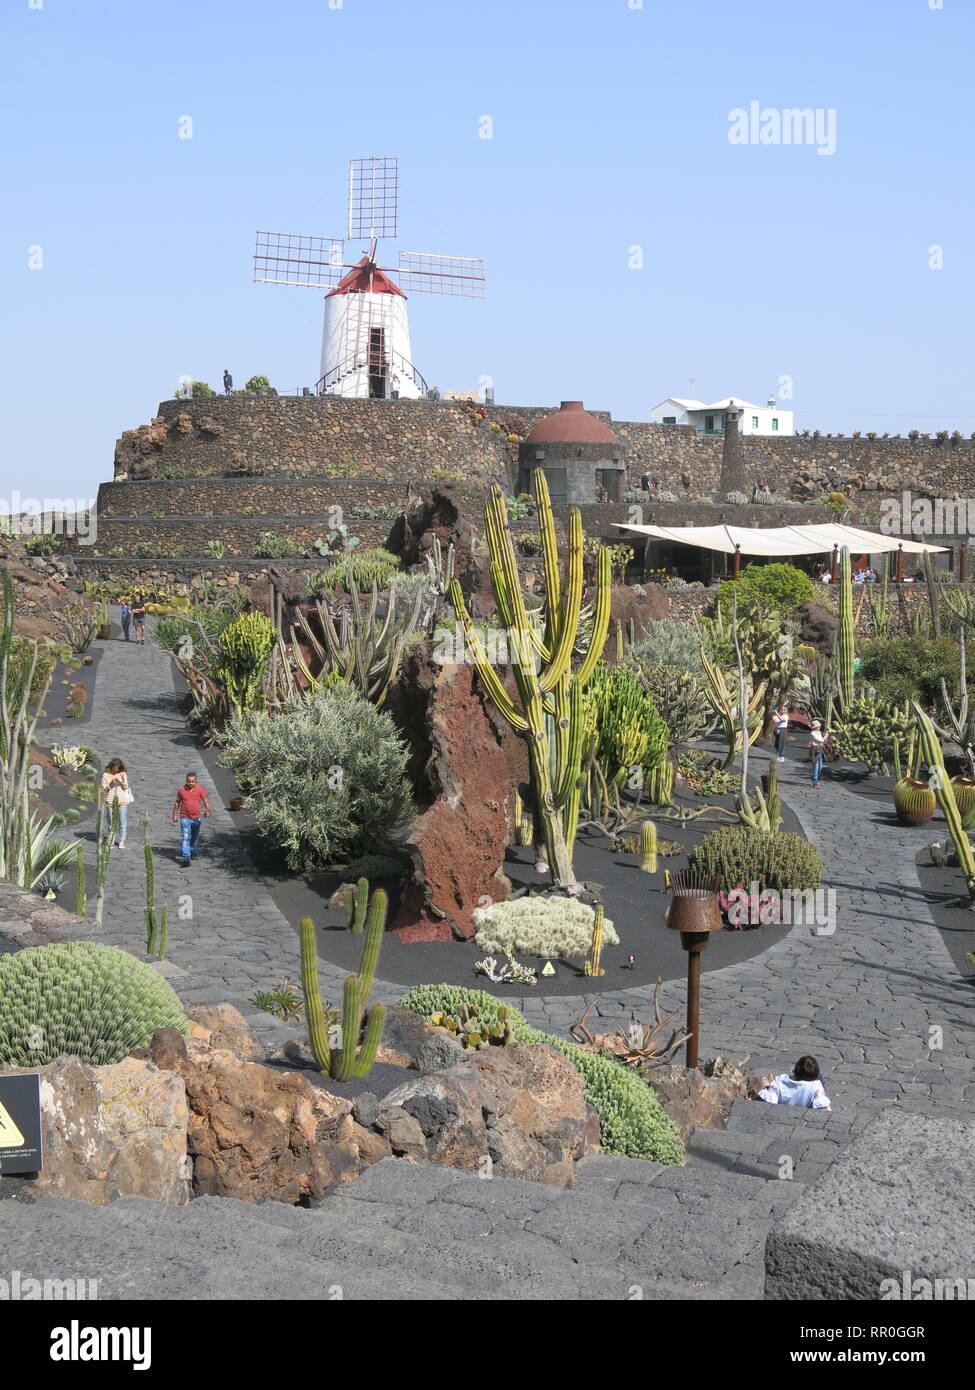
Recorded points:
(190,799)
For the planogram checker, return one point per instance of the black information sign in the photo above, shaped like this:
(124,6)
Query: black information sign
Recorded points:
(20,1124)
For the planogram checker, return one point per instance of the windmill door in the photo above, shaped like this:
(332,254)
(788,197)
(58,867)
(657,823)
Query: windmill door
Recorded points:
(378,363)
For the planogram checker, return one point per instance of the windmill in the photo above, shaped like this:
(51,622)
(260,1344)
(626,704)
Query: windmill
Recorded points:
(366,338)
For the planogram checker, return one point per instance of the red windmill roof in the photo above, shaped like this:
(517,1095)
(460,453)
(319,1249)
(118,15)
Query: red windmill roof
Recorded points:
(358,279)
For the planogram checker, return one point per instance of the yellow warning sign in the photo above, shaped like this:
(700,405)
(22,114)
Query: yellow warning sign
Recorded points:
(548,968)
(10,1135)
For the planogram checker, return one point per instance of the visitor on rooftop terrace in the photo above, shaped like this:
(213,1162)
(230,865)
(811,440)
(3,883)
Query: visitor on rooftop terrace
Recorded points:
(803,1087)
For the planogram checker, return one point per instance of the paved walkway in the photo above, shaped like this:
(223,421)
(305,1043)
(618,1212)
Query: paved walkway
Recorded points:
(865,999)
(226,937)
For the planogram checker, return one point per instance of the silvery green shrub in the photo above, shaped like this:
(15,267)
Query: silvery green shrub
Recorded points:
(539,927)
(325,778)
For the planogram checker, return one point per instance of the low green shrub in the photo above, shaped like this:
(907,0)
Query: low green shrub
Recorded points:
(80,999)
(779,860)
(704,774)
(632,1120)
(771,589)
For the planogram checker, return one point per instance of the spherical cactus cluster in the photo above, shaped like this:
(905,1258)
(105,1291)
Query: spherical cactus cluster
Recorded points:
(80,999)
(914,801)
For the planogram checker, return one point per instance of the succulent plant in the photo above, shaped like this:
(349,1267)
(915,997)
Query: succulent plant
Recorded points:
(80,999)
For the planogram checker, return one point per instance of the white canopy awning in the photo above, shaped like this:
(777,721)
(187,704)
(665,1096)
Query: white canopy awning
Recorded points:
(782,540)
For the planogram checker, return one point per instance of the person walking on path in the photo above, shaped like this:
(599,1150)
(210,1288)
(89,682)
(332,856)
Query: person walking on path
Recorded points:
(126,618)
(190,800)
(116,791)
(228,382)
(139,619)
(804,1086)
(780,729)
(817,750)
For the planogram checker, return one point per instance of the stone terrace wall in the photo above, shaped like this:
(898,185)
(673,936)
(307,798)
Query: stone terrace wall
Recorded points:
(322,435)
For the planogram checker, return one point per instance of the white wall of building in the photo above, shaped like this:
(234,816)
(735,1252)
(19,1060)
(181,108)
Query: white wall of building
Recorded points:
(755,419)
(345,342)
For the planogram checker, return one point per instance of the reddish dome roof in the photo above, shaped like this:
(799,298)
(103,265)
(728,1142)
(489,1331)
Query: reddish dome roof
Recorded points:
(571,424)
(361,279)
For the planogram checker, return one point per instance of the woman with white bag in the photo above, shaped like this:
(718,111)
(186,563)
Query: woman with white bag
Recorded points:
(116,791)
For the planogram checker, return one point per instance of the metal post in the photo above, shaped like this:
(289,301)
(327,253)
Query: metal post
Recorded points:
(900,564)
(737,560)
(693,994)
(833,563)
(963,563)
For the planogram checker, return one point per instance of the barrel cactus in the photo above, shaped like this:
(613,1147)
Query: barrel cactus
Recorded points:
(964,789)
(914,801)
(80,999)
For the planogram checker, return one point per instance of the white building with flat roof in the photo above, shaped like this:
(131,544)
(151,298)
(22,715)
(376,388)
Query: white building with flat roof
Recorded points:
(768,419)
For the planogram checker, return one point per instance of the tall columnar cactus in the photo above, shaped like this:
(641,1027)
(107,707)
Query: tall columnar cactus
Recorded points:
(348,1061)
(593,965)
(356,904)
(105,827)
(648,847)
(945,793)
(844,635)
(81,895)
(547,687)
(157,920)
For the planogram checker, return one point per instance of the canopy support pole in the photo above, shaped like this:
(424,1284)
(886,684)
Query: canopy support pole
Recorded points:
(833,564)
(963,563)
(737,560)
(900,564)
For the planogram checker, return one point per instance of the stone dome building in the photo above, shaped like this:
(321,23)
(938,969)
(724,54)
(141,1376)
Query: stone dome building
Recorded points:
(582,459)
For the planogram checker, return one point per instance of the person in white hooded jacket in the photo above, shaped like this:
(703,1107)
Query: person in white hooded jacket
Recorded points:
(803,1087)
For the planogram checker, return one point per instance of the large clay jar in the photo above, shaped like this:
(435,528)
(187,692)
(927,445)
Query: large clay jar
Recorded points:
(914,801)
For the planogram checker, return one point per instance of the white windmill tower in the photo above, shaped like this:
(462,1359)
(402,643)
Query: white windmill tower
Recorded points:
(366,339)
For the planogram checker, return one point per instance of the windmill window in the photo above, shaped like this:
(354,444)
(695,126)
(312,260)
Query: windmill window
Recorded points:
(775,423)
(755,422)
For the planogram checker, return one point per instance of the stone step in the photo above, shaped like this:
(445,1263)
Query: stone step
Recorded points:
(402,1231)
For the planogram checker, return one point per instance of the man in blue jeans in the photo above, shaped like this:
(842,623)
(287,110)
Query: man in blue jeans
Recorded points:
(190,801)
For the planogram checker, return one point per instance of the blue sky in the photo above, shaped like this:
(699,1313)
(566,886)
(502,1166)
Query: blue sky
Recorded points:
(610,131)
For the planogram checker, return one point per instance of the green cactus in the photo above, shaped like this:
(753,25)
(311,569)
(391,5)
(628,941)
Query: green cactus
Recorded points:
(593,965)
(659,784)
(348,1061)
(245,646)
(358,650)
(648,847)
(356,905)
(844,655)
(548,712)
(866,730)
(80,999)
(81,896)
(945,793)
(157,920)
